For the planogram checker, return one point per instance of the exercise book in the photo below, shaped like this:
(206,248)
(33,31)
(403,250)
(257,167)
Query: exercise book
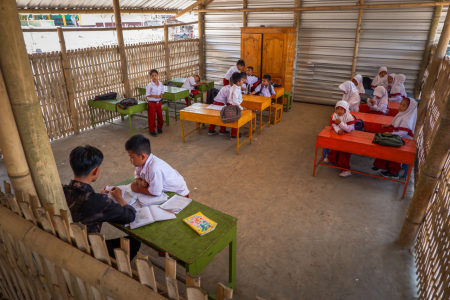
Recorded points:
(176,204)
(150,214)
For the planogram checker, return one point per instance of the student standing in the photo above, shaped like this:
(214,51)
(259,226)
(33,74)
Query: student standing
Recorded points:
(398,89)
(358,82)
(380,79)
(235,97)
(190,84)
(221,100)
(351,95)
(379,103)
(265,89)
(234,69)
(154,94)
(402,125)
(342,122)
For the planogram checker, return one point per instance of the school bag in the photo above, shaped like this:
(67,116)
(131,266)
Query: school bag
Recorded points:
(388,139)
(107,96)
(210,95)
(170,84)
(230,113)
(366,82)
(125,103)
(359,124)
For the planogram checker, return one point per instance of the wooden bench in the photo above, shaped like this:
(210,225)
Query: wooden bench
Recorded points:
(360,143)
(393,108)
(372,122)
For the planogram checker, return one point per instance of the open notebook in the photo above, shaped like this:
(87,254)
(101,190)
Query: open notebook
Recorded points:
(176,204)
(127,194)
(150,214)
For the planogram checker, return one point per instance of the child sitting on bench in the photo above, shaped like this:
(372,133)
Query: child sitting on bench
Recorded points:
(379,103)
(265,89)
(190,84)
(381,79)
(358,82)
(351,95)
(398,92)
(390,82)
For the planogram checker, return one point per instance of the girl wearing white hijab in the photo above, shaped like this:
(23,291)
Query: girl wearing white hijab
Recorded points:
(398,89)
(342,122)
(403,125)
(358,81)
(351,95)
(380,79)
(390,82)
(379,103)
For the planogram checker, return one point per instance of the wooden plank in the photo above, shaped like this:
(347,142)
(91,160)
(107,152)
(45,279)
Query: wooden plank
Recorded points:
(192,280)
(171,266)
(146,273)
(125,245)
(27,212)
(13,204)
(195,293)
(224,292)
(123,261)
(45,220)
(99,247)
(7,187)
(172,288)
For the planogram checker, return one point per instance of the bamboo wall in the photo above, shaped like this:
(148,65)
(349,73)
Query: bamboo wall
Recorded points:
(96,71)
(432,247)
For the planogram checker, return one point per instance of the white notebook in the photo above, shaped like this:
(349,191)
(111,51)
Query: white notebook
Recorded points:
(127,194)
(150,214)
(214,107)
(176,204)
(146,200)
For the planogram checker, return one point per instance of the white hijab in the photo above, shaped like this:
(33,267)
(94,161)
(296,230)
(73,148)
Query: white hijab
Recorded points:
(382,93)
(378,80)
(346,117)
(397,86)
(406,120)
(360,86)
(350,89)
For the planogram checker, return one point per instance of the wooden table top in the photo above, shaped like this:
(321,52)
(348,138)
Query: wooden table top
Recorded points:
(279,91)
(197,112)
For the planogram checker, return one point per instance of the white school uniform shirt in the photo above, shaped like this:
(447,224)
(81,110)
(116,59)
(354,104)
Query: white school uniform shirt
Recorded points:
(161,177)
(398,89)
(153,89)
(265,91)
(378,80)
(223,94)
(235,97)
(382,103)
(251,80)
(230,72)
(404,122)
(360,86)
(351,95)
(347,121)
(189,83)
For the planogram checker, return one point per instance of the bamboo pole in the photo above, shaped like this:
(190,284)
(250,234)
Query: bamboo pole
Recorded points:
(358,33)
(321,8)
(426,57)
(167,52)
(429,175)
(296,24)
(244,14)
(123,56)
(44,11)
(68,80)
(201,44)
(189,8)
(14,156)
(432,74)
(20,86)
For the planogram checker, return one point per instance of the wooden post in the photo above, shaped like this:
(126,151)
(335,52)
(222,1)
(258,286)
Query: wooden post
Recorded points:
(68,80)
(426,54)
(201,44)
(432,75)
(429,175)
(167,51)
(296,24)
(19,82)
(244,14)
(123,56)
(358,32)
(14,156)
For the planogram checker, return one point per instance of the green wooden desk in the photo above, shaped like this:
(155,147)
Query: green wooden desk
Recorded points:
(111,106)
(170,94)
(192,251)
(201,88)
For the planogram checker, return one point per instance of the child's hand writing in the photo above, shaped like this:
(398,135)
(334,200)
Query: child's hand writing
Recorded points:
(341,132)
(338,122)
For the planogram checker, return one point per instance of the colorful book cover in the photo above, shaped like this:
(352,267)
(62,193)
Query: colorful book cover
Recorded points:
(201,224)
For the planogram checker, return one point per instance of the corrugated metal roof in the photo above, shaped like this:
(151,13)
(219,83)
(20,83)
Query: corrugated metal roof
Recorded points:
(104,4)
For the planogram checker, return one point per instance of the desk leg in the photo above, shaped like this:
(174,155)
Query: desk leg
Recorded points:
(250,133)
(315,159)
(131,128)
(182,130)
(198,127)
(237,139)
(270,114)
(175,108)
(260,121)
(407,180)
(232,259)
(92,117)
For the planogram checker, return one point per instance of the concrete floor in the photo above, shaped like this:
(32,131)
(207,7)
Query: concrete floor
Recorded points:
(299,237)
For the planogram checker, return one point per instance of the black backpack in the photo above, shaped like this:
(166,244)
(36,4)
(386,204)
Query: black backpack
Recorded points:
(210,95)
(359,124)
(366,82)
(107,96)
(230,113)
(125,103)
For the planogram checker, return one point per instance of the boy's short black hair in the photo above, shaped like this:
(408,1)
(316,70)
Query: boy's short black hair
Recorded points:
(138,144)
(153,71)
(268,77)
(197,76)
(236,77)
(240,63)
(251,68)
(85,159)
(243,75)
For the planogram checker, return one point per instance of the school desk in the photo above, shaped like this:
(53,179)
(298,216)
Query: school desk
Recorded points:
(393,108)
(198,113)
(258,103)
(360,143)
(111,106)
(372,122)
(201,88)
(279,93)
(192,251)
(170,94)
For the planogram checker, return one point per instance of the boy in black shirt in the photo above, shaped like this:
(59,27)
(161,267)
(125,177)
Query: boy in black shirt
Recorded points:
(90,208)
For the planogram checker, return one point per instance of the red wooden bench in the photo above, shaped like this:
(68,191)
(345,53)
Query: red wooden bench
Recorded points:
(360,143)
(393,108)
(372,122)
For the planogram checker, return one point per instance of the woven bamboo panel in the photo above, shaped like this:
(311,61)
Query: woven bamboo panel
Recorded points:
(184,58)
(433,243)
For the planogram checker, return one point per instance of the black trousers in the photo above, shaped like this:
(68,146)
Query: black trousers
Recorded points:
(115,243)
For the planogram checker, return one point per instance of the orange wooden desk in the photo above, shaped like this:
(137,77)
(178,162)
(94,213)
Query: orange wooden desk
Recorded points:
(198,113)
(258,103)
(393,108)
(279,93)
(372,122)
(360,143)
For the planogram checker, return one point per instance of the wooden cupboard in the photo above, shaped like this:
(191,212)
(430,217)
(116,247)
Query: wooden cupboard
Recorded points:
(270,50)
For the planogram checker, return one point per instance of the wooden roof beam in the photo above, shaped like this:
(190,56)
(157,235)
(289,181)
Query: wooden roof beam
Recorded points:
(62,11)
(190,7)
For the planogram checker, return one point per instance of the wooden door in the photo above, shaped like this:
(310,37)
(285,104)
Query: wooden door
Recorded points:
(273,57)
(251,45)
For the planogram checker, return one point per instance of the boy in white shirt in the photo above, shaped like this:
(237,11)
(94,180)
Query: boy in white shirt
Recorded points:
(221,100)
(153,175)
(190,84)
(154,94)
(265,89)
(245,88)
(235,97)
(237,68)
(252,80)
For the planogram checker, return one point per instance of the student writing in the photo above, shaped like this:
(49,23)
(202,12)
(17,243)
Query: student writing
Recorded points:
(154,94)
(234,69)
(379,103)
(351,95)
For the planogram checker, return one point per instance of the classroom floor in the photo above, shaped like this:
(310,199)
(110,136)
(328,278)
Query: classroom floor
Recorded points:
(299,237)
